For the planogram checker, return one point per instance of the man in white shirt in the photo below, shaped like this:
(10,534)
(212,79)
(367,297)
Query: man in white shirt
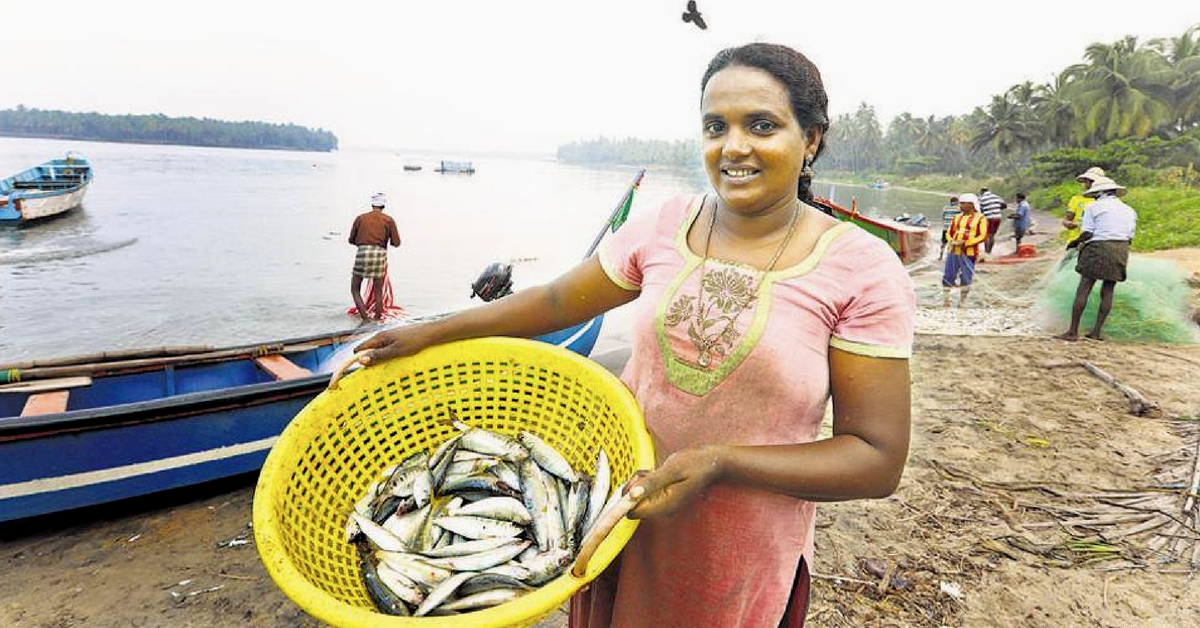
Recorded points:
(1108,229)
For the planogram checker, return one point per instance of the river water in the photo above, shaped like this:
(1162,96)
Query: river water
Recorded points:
(182,245)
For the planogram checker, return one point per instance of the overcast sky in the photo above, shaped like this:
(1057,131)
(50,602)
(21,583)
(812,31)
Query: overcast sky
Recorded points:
(529,75)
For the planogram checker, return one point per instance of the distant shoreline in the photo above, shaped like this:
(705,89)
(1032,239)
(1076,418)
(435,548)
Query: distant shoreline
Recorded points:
(82,138)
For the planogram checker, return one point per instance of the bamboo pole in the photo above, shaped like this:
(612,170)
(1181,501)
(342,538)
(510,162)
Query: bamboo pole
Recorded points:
(126,354)
(102,367)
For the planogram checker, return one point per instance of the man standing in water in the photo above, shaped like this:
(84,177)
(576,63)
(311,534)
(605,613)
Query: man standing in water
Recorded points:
(1108,227)
(371,233)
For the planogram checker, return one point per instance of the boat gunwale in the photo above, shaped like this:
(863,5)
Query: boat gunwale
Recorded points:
(174,406)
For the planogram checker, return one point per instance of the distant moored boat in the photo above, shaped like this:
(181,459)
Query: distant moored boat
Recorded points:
(52,188)
(456,167)
(411,168)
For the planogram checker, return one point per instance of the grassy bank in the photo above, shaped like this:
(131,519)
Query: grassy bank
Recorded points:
(1168,217)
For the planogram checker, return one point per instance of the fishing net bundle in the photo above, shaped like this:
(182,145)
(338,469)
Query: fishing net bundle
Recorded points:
(1151,305)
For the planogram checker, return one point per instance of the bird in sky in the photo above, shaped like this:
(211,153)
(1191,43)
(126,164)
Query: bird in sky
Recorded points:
(693,16)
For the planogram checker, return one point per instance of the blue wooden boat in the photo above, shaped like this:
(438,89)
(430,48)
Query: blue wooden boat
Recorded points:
(455,167)
(82,431)
(52,188)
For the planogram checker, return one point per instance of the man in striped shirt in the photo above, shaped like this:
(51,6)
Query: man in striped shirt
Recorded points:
(993,208)
(967,232)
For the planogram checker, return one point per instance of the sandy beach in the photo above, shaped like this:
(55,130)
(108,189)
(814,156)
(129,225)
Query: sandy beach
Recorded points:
(1032,497)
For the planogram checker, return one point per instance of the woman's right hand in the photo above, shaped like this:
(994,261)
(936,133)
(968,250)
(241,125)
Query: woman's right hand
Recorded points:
(394,343)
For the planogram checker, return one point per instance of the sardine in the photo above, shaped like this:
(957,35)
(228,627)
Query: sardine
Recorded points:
(537,501)
(440,462)
(548,565)
(414,567)
(507,474)
(478,527)
(380,536)
(503,508)
(489,442)
(406,528)
(481,560)
(484,599)
(511,569)
(442,592)
(489,581)
(601,484)
(483,482)
(385,600)
(556,532)
(423,487)
(548,457)
(576,513)
(468,547)
(400,585)
(470,467)
(392,505)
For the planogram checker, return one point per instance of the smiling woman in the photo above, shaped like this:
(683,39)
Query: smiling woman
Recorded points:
(754,309)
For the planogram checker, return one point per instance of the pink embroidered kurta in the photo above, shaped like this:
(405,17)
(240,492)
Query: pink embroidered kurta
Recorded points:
(740,360)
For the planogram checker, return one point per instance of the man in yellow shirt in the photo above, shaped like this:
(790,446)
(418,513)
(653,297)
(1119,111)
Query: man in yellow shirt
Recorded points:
(966,235)
(1078,203)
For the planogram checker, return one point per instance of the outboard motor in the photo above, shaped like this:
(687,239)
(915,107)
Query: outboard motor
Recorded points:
(494,282)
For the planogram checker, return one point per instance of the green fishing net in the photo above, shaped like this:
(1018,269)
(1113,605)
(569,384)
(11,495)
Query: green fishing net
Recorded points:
(1151,305)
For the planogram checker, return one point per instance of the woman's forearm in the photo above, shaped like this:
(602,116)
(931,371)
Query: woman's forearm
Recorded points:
(839,468)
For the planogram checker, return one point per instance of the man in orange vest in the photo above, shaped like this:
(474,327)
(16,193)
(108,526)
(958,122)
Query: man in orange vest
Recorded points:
(966,233)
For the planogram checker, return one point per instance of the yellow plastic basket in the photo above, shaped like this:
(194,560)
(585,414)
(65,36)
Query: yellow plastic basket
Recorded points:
(341,442)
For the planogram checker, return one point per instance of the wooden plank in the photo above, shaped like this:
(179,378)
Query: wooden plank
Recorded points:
(42,385)
(281,368)
(46,403)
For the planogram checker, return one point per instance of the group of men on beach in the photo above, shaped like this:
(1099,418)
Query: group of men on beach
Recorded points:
(1098,225)
(969,227)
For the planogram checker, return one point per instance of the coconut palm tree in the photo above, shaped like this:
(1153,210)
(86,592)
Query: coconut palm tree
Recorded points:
(1183,55)
(1124,91)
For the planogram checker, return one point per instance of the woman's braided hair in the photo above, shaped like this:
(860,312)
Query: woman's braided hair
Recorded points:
(806,92)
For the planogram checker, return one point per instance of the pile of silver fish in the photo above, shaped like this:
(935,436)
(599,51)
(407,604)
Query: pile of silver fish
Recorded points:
(481,520)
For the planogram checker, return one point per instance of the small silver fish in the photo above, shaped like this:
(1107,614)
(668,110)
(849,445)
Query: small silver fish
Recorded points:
(484,599)
(478,527)
(481,560)
(548,565)
(547,456)
(503,508)
(468,547)
(441,593)
(489,442)
(601,485)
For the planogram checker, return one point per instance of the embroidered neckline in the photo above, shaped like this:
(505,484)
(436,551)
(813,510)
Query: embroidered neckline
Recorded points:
(693,378)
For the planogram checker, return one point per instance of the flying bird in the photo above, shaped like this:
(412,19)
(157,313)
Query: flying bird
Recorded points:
(693,16)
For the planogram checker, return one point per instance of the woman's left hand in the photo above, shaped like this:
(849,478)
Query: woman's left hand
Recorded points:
(676,482)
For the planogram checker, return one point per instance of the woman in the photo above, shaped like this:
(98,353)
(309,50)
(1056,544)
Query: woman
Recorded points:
(753,308)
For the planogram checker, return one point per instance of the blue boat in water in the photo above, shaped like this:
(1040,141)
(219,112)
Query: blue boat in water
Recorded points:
(82,431)
(52,188)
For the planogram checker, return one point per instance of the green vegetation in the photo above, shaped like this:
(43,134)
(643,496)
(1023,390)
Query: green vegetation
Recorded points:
(632,152)
(159,129)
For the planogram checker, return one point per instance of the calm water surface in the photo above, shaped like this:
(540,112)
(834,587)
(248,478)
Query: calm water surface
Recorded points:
(183,245)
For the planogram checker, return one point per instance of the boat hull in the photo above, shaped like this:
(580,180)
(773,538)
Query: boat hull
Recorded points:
(910,243)
(57,462)
(52,188)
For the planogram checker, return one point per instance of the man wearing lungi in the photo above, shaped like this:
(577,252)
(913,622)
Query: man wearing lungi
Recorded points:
(1108,227)
(371,233)
(966,234)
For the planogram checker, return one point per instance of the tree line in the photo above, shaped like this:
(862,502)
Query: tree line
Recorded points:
(631,151)
(161,129)
(1130,106)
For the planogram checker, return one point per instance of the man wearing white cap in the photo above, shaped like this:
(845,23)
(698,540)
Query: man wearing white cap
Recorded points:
(371,233)
(967,232)
(1108,228)
(1078,203)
